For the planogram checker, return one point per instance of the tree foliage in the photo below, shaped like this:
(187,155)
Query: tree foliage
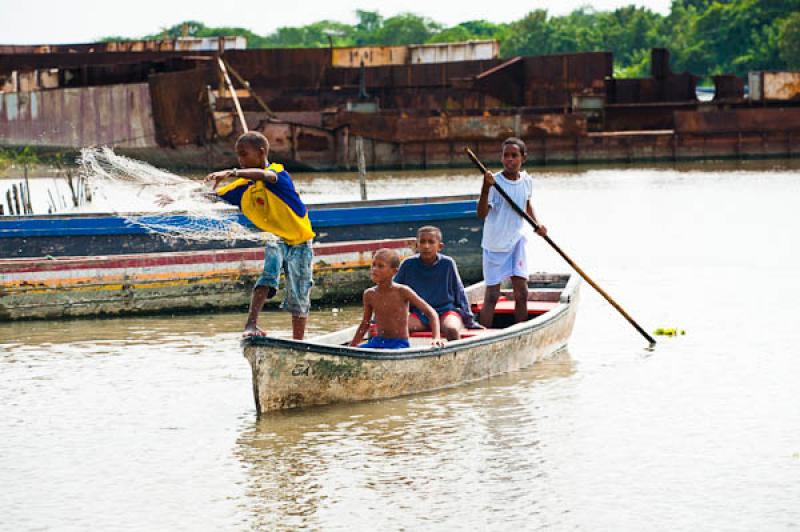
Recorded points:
(704,36)
(789,41)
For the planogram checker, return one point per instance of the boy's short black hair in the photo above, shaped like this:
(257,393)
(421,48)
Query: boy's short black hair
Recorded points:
(518,142)
(430,229)
(391,256)
(255,139)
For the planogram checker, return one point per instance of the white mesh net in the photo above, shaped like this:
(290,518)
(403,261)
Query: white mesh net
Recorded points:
(159,201)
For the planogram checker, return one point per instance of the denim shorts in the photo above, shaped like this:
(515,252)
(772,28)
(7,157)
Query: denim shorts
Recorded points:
(295,261)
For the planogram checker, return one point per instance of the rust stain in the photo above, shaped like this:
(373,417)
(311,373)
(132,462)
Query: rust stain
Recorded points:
(781,85)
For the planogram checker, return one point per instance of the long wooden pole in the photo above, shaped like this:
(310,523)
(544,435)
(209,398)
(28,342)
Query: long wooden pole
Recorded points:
(566,257)
(233,94)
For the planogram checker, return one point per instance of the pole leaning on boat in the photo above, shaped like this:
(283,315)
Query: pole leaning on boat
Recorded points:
(566,257)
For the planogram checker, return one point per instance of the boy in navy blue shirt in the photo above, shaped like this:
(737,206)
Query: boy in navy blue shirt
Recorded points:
(435,278)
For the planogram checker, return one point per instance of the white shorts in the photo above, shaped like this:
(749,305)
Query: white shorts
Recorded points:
(500,265)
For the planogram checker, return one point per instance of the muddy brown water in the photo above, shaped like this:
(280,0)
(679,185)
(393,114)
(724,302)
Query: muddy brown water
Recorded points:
(141,423)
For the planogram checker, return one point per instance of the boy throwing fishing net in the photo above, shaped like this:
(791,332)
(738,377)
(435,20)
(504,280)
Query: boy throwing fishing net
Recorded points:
(266,195)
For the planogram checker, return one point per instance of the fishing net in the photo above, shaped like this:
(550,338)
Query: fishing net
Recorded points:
(160,201)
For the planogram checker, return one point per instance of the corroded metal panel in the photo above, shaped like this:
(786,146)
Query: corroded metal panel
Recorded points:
(31,61)
(408,75)
(117,115)
(738,120)
(370,56)
(451,52)
(504,81)
(284,68)
(728,87)
(550,80)
(404,128)
(181,112)
(781,85)
(642,117)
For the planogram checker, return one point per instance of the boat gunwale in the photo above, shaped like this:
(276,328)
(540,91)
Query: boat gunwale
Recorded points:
(354,204)
(548,318)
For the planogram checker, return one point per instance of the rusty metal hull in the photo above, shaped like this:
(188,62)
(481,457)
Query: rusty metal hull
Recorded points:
(291,374)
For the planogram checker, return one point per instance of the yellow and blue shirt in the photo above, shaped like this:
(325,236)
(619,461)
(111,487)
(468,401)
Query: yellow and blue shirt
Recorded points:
(272,207)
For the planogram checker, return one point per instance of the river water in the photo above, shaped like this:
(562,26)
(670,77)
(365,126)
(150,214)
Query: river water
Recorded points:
(149,423)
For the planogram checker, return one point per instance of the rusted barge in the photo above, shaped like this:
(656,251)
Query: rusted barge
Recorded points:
(413,107)
(323,370)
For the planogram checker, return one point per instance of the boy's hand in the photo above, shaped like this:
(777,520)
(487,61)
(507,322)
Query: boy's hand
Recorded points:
(488,179)
(437,342)
(542,230)
(216,177)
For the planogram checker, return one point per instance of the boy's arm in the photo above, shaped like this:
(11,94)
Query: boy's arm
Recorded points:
(426,309)
(257,174)
(363,327)
(483,201)
(461,301)
(253,174)
(529,209)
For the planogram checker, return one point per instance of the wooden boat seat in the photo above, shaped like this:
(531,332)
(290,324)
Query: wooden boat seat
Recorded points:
(468,333)
(506,306)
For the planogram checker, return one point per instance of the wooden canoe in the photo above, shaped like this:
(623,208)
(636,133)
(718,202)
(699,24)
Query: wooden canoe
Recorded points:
(323,370)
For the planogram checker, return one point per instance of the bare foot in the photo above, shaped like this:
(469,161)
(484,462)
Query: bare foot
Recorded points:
(253,331)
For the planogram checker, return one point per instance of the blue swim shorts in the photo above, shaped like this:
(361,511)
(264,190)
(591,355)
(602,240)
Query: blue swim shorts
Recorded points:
(379,342)
(295,261)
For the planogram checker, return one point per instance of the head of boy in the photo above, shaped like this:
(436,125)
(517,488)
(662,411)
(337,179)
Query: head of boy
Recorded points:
(252,149)
(385,263)
(514,154)
(429,243)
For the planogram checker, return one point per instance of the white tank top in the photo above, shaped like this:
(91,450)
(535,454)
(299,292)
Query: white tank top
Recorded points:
(503,227)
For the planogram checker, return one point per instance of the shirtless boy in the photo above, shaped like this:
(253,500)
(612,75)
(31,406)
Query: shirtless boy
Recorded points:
(389,303)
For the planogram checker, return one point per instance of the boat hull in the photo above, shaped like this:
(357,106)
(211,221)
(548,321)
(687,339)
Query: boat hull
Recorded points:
(150,283)
(289,374)
(75,235)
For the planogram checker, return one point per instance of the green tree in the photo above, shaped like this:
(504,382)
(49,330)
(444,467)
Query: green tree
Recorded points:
(454,34)
(789,41)
(529,36)
(704,36)
(406,28)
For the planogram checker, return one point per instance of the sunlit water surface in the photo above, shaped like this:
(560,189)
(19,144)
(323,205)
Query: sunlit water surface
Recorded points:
(149,423)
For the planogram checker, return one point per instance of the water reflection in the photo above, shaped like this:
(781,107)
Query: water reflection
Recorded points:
(403,458)
(161,328)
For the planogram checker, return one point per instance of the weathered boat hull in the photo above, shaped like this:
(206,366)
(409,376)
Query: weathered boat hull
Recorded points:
(108,234)
(290,374)
(150,283)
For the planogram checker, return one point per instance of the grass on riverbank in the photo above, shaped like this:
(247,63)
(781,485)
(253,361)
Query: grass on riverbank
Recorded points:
(13,160)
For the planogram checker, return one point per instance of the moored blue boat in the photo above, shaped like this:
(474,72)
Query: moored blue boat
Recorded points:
(111,234)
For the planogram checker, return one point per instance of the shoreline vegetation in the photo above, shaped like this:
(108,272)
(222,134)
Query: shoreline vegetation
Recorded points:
(705,37)
(15,161)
